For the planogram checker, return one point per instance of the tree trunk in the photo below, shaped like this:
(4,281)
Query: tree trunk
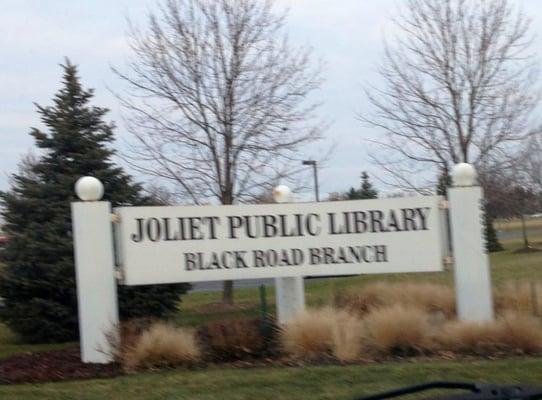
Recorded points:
(227,292)
(524,230)
(227,286)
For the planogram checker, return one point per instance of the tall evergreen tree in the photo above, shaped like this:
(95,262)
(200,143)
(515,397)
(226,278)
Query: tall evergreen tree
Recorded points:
(38,284)
(366,190)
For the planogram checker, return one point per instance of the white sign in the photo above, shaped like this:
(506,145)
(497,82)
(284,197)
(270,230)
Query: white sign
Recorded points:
(210,243)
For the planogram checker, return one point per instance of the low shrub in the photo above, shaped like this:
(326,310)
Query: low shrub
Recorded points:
(233,340)
(162,345)
(398,331)
(425,296)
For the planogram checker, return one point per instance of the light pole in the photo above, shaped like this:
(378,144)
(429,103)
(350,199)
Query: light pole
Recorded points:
(315,171)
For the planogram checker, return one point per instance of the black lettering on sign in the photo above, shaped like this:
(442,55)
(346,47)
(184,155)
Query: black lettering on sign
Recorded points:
(234,224)
(138,237)
(153,229)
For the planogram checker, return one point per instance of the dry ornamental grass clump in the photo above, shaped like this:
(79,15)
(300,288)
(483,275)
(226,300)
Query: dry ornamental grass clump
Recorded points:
(321,333)
(511,333)
(347,337)
(519,297)
(519,333)
(162,345)
(309,335)
(425,296)
(398,330)
(467,337)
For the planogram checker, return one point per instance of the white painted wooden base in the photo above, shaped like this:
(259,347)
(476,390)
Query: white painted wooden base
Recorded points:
(290,298)
(96,284)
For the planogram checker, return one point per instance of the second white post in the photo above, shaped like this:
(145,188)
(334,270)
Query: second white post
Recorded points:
(471,264)
(290,291)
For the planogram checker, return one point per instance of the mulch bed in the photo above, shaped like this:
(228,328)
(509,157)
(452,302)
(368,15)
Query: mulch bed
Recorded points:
(53,365)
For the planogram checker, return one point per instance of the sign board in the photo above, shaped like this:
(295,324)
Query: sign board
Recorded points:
(209,243)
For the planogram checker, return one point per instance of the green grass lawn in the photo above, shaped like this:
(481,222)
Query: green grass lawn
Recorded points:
(310,383)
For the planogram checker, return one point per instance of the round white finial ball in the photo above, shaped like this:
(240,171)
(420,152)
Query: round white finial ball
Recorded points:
(464,175)
(89,188)
(282,194)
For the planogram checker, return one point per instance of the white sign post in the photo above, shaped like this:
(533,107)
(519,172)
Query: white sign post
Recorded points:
(471,263)
(95,272)
(289,291)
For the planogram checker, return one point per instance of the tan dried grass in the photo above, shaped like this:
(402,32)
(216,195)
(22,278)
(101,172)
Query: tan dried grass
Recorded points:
(310,335)
(519,332)
(398,330)
(468,337)
(511,333)
(162,345)
(323,332)
(347,337)
(518,297)
(425,296)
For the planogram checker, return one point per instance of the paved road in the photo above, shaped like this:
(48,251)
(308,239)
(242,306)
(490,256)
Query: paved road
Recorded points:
(519,234)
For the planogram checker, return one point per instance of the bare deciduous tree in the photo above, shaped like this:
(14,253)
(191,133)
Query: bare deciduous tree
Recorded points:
(218,100)
(458,87)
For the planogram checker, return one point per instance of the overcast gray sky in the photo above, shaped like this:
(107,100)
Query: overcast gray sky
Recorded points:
(35,36)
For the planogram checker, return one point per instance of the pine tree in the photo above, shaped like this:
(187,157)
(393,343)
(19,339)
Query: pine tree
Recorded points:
(492,241)
(444,182)
(366,190)
(38,284)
